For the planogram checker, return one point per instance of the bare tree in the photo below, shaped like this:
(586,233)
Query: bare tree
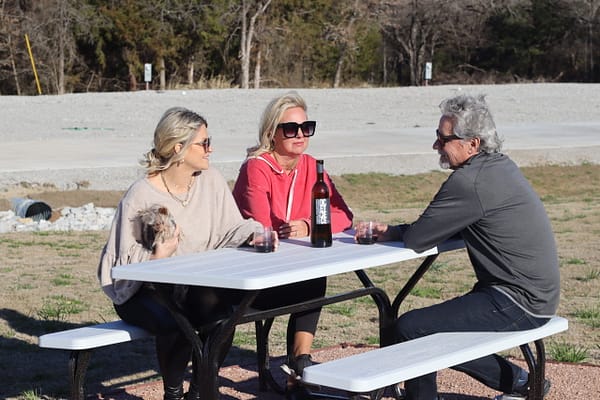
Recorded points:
(414,26)
(251,10)
(9,29)
(588,14)
(343,33)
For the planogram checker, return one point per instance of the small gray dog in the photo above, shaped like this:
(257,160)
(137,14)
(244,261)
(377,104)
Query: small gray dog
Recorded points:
(157,225)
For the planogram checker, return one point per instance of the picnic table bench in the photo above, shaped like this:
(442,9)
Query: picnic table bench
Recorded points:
(371,372)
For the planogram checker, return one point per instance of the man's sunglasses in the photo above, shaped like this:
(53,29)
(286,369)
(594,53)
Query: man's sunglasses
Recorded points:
(205,143)
(445,139)
(290,129)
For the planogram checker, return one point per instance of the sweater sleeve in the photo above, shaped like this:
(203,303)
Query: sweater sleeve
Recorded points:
(454,207)
(235,230)
(121,248)
(251,192)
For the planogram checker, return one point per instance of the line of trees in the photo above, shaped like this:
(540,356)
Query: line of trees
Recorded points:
(102,45)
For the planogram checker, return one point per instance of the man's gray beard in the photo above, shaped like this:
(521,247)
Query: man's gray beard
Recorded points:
(444,164)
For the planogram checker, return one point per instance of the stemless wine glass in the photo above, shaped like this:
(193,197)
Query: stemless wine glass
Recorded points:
(364,232)
(263,239)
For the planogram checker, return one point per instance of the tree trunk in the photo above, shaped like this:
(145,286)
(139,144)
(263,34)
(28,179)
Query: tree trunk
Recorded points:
(61,65)
(162,73)
(190,74)
(247,38)
(13,64)
(257,70)
(338,69)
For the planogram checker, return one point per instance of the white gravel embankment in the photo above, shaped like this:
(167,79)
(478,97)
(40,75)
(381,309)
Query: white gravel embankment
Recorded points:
(85,218)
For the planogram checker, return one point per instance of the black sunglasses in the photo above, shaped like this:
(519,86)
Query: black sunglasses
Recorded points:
(445,139)
(290,129)
(205,143)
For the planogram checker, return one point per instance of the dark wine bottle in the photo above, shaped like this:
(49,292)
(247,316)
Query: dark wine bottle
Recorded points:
(320,231)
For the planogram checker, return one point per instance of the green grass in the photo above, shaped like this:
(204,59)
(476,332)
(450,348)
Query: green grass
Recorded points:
(59,308)
(591,275)
(590,317)
(566,352)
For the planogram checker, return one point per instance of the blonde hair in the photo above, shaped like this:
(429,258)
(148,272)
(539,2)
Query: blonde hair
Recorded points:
(177,125)
(271,118)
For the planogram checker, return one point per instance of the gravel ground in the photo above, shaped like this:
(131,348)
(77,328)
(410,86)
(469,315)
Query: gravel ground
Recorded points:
(569,381)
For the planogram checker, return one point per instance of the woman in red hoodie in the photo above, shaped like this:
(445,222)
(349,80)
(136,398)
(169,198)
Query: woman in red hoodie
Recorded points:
(274,187)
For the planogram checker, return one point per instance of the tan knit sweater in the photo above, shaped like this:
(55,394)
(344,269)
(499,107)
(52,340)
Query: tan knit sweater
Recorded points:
(211,220)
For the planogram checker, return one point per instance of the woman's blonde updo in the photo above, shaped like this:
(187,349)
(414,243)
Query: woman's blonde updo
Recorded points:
(271,118)
(177,125)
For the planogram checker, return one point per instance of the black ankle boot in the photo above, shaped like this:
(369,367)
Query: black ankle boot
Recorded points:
(173,392)
(296,365)
(193,393)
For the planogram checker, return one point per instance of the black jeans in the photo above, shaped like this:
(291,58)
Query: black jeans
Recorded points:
(484,309)
(203,305)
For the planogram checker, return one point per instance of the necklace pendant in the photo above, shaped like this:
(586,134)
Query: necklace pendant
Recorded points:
(185,203)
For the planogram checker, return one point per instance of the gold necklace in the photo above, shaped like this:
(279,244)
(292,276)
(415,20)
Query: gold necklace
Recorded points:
(185,201)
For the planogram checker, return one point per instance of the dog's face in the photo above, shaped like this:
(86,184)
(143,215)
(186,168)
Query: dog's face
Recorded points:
(157,225)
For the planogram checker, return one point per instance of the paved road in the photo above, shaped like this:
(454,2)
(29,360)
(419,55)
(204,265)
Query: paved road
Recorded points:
(97,138)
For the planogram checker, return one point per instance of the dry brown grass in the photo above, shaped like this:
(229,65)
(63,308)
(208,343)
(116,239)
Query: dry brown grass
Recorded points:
(49,283)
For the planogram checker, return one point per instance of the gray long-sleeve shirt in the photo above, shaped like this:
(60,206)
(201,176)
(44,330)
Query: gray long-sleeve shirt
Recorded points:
(505,227)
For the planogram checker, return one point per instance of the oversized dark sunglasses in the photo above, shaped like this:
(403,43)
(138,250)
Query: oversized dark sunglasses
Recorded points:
(205,143)
(443,139)
(290,129)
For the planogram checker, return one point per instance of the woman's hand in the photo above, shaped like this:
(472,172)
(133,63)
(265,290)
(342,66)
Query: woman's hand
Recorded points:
(166,248)
(293,229)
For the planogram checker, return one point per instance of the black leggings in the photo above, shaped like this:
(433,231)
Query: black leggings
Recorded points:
(203,305)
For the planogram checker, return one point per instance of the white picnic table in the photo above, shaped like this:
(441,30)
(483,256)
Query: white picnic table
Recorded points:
(294,261)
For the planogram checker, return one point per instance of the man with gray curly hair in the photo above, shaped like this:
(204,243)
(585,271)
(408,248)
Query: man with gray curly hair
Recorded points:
(487,202)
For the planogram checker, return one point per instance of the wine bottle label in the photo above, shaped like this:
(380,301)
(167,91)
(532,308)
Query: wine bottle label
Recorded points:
(322,211)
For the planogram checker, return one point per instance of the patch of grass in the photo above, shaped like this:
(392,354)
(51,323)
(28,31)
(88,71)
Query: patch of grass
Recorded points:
(25,286)
(62,280)
(58,308)
(589,316)
(347,309)
(566,352)
(575,261)
(427,292)
(32,394)
(244,338)
(589,276)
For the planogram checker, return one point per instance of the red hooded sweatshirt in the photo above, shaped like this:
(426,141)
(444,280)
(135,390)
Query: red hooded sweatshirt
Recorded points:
(263,191)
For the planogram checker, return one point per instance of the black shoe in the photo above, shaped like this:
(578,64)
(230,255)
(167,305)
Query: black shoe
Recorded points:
(523,393)
(173,392)
(294,368)
(297,392)
(295,365)
(193,393)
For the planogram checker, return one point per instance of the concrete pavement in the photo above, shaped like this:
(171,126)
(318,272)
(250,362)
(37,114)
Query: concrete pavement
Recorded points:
(95,140)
